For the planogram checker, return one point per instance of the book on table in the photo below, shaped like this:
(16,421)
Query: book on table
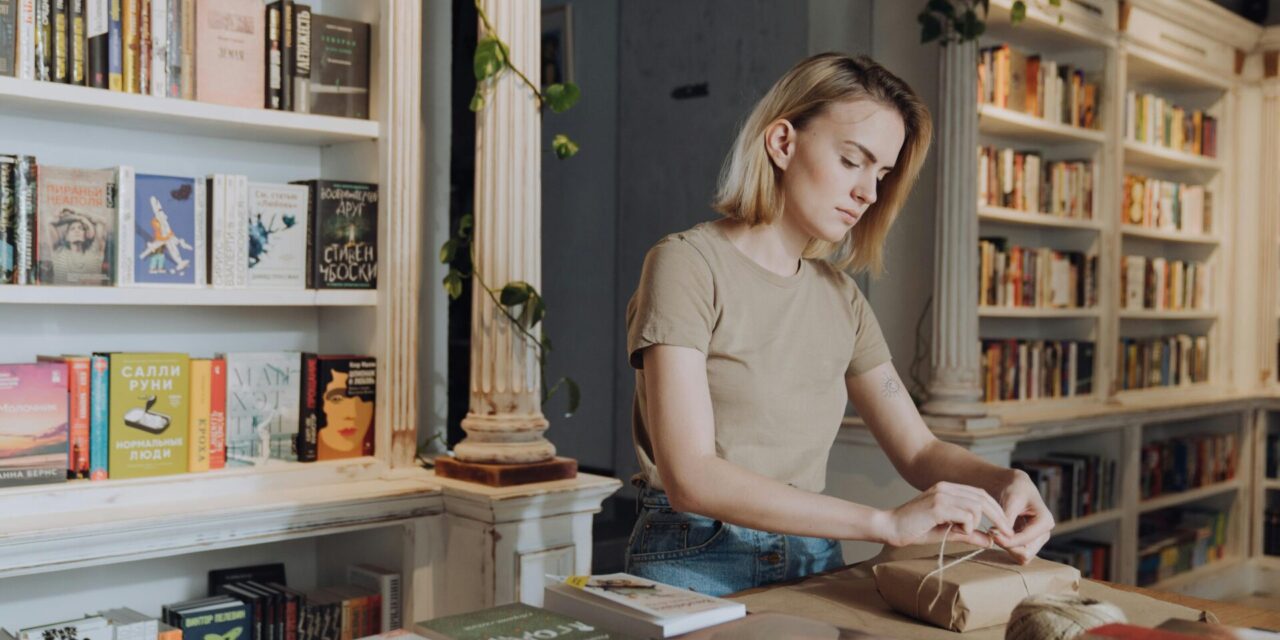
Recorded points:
(637,606)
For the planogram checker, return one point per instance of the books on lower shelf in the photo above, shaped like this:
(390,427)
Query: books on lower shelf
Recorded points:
(1185,463)
(122,227)
(1174,541)
(1072,485)
(1093,559)
(1035,277)
(637,606)
(1152,119)
(1029,83)
(1144,363)
(1014,369)
(1023,181)
(1149,203)
(1165,285)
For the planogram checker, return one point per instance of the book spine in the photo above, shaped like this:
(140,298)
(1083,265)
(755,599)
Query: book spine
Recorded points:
(115,45)
(187,80)
(142,55)
(173,49)
(97,34)
(8,37)
(81,390)
(58,39)
(286,55)
(309,415)
(159,47)
(43,37)
(313,231)
(124,226)
(76,42)
(271,40)
(201,408)
(8,202)
(24,227)
(240,201)
(99,406)
(129,44)
(218,414)
(301,58)
(25,47)
(200,257)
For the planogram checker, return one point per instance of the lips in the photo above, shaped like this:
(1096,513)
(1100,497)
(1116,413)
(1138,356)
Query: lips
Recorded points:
(849,216)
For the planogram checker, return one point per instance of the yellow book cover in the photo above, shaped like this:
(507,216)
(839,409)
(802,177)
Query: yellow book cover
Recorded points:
(129,44)
(201,403)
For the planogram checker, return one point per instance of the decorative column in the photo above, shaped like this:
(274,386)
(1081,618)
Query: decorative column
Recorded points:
(955,392)
(505,421)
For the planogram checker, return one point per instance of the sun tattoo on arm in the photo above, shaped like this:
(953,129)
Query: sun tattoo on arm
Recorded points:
(890,387)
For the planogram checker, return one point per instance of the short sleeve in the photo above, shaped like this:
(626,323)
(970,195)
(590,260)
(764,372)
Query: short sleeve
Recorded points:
(869,349)
(674,301)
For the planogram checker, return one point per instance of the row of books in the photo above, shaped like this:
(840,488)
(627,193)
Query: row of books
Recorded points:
(1174,541)
(128,415)
(1031,84)
(1035,277)
(1022,180)
(1144,363)
(1165,285)
(1166,205)
(1151,119)
(1015,369)
(115,226)
(1272,456)
(234,52)
(1072,485)
(1093,559)
(1185,463)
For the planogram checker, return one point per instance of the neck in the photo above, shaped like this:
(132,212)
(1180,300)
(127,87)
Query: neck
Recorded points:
(777,247)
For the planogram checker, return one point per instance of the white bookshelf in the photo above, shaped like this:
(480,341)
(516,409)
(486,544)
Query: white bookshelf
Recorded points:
(182,297)
(1150,156)
(1007,122)
(1067,527)
(1036,312)
(1183,497)
(1168,235)
(1164,314)
(1026,218)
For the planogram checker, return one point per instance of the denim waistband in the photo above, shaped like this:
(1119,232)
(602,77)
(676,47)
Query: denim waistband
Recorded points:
(650,497)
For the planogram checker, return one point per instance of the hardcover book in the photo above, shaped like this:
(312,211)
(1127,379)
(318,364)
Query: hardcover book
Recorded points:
(76,226)
(8,37)
(166,245)
(33,423)
(8,217)
(97,42)
(79,392)
(150,412)
(339,83)
(343,241)
(263,391)
(347,388)
(201,405)
(24,220)
(277,236)
(231,60)
(227,620)
(516,620)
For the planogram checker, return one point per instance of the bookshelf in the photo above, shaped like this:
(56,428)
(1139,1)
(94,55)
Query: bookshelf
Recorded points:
(205,297)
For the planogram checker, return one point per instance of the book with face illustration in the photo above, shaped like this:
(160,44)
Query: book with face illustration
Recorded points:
(76,232)
(347,390)
(148,423)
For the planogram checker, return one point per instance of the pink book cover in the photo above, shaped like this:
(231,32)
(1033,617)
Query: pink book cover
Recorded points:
(34,407)
(230,52)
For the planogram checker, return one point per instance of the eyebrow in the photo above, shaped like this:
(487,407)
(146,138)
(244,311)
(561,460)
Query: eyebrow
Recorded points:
(866,152)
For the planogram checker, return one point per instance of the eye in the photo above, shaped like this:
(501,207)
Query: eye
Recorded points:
(849,164)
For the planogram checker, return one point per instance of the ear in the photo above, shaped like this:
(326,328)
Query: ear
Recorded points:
(780,142)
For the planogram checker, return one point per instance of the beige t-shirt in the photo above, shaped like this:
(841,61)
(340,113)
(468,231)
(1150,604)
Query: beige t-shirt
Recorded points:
(778,349)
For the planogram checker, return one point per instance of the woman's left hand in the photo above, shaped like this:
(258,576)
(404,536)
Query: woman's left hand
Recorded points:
(1032,521)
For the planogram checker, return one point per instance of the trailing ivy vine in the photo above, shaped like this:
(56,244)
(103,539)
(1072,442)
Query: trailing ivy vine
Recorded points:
(958,21)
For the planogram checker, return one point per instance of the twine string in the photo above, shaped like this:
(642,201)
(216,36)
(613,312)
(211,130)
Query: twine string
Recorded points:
(942,549)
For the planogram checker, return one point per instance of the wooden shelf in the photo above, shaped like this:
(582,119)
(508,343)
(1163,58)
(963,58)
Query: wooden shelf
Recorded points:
(1183,497)
(1076,524)
(82,105)
(1166,235)
(1142,154)
(176,296)
(1036,312)
(1150,69)
(1013,216)
(999,121)
(1199,573)
(1154,314)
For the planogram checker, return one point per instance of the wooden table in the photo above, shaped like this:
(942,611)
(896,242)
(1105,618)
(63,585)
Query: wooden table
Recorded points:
(1233,615)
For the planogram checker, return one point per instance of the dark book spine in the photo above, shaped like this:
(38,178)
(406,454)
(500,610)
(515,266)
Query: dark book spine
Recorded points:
(24,228)
(115,46)
(286,55)
(58,39)
(44,54)
(309,416)
(8,203)
(271,37)
(96,42)
(313,216)
(8,37)
(301,65)
(76,42)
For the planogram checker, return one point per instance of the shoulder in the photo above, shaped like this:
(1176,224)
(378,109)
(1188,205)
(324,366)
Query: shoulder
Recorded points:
(836,279)
(685,250)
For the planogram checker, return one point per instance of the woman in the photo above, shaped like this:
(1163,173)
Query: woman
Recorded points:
(748,338)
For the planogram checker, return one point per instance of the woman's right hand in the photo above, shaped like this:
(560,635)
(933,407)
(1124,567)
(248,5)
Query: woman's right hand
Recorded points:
(927,517)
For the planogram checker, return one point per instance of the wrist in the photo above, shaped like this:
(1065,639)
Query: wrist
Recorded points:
(881,527)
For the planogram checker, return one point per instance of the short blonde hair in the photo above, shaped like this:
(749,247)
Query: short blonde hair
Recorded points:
(750,184)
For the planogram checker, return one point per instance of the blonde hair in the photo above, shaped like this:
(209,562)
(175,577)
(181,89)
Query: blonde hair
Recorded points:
(750,190)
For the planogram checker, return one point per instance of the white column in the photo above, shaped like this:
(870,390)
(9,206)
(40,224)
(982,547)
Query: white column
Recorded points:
(955,392)
(505,421)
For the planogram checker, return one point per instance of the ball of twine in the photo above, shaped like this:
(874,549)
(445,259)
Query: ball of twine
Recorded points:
(1059,617)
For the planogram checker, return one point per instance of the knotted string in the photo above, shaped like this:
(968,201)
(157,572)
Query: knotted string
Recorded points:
(942,549)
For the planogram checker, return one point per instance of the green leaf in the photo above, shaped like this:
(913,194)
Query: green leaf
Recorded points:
(1019,12)
(575,397)
(453,284)
(971,27)
(447,251)
(514,293)
(1056,3)
(943,7)
(564,147)
(464,225)
(477,102)
(546,344)
(489,58)
(930,27)
(538,313)
(561,96)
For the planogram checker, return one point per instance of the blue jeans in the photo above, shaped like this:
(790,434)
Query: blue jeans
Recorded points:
(717,558)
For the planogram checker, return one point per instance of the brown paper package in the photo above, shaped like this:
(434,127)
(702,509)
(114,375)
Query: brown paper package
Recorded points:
(978,593)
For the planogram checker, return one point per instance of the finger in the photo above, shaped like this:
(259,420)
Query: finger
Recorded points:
(1039,524)
(990,508)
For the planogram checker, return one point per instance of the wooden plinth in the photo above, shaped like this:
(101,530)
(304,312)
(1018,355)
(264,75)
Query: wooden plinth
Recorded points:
(506,475)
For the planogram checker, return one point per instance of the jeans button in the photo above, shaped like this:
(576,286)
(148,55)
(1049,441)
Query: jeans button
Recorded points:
(773,558)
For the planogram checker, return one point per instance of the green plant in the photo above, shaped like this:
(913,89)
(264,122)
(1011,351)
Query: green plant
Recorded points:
(958,21)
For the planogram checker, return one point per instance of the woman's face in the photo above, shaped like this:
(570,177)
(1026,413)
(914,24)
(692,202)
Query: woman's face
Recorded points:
(832,168)
(348,418)
(75,232)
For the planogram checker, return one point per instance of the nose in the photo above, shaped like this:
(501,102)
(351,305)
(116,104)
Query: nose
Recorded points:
(864,190)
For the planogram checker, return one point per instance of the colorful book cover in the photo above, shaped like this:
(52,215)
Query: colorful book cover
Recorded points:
(76,42)
(129,44)
(231,58)
(33,423)
(229,621)
(263,391)
(115,45)
(343,240)
(277,236)
(79,392)
(99,415)
(517,620)
(339,67)
(24,220)
(168,230)
(201,401)
(348,393)
(8,217)
(150,414)
(97,42)
(218,414)
(76,226)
